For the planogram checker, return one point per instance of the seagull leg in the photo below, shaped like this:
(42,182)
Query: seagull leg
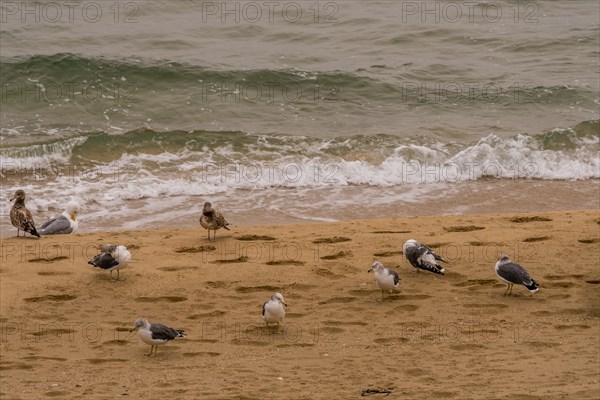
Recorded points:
(511,286)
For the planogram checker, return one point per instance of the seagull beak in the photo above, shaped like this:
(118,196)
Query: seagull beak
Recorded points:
(134,328)
(370,269)
(284,303)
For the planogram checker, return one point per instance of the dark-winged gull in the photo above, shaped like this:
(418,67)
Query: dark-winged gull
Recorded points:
(422,257)
(212,220)
(387,279)
(274,309)
(513,274)
(63,223)
(155,334)
(111,258)
(20,216)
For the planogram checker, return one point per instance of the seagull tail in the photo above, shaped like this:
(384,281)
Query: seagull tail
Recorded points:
(31,230)
(180,332)
(436,269)
(533,287)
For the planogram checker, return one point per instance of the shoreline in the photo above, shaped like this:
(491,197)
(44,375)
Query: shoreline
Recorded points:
(244,208)
(65,325)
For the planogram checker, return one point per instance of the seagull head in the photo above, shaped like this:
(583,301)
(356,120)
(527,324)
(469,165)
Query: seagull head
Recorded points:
(72,209)
(409,243)
(377,266)
(278,297)
(139,323)
(19,195)
(121,254)
(503,258)
(207,205)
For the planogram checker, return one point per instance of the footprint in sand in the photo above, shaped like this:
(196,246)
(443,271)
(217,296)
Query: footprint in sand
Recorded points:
(170,299)
(335,239)
(212,314)
(338,300)
(54,332)
(391,340)
(54,273)
(50,297)
(566,327)
(467,228)
(116,342)
(497,306)
(248,238)
(339,254)
(175,269)
(326,273)
(202,354)
(198,249)
(97,361)
(413,297)
(252,289)
(537,239)
(48,260)
(406,307)
(476,282)
(285,262)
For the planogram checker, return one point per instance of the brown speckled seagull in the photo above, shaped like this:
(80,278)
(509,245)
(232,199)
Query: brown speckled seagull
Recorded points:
(20,216)
(212,220)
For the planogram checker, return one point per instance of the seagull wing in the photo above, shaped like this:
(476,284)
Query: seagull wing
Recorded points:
(104,261)
(163,332)
(56,226)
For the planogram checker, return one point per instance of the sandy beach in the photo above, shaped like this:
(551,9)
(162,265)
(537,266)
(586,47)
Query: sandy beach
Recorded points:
(65,325)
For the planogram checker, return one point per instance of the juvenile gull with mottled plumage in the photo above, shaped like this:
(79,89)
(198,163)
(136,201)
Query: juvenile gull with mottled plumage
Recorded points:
(387,279)
(422,257)
(513,274)
(155,334)
(20,216)
(64,223)
(212,220)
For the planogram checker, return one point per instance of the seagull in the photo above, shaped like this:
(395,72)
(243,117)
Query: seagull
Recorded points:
(510,273)
(20,216)
(111,258)
(155,334)
(387,279)
(64,223)
(273,310)
(422,257)
(211,219)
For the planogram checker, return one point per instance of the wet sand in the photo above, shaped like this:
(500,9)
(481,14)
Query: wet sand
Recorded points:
(65,325)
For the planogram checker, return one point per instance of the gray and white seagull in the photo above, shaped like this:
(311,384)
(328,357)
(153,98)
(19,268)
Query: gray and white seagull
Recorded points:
(64,223)
(387,279)
(155,334)
(111,258)
(513,274)
(273,310)
(422,257)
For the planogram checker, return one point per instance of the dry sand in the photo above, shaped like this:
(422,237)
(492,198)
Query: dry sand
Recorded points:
(65,325)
